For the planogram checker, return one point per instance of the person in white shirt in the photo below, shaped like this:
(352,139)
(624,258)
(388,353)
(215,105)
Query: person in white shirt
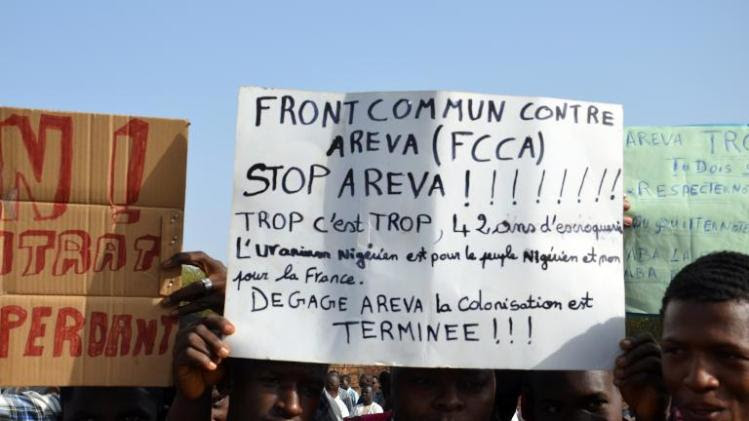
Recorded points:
(368,406)
(338,400)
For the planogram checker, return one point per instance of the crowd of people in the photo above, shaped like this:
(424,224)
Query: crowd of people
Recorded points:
(698,370)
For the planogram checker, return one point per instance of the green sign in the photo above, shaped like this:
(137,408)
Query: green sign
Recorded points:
(689,190)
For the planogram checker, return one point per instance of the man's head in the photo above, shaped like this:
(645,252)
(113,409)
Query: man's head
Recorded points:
(110,403)
(345,381)
(271,390)
(706,338)
(421,394)
(375,383)
(367,394)
(332,382)
(365,379)
(571,395)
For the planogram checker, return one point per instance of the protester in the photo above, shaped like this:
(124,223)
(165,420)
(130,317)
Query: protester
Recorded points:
(111,403)
(378,397)
(570,395)
(258,389)
(263,390)
(367,406)
(346,386)
(421,394)
(339,402)
(704,363)
(201,361)
(364,380)
(37,403)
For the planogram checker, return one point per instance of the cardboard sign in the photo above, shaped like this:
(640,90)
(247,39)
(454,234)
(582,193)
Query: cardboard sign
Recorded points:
(90,206)
(124,341)
(689,189)
(426,229)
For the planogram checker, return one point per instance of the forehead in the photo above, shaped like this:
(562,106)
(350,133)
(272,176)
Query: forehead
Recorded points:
(572,383)
(439,374)
(251,369)
(707,323)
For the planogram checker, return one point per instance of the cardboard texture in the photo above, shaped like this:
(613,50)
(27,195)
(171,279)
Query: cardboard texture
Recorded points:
(76,340)
(90,204)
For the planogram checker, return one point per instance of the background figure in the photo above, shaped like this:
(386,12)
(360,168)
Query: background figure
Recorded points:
(111,403)
(346,386)
(571,395)
(364,379)
(339,403)
(368,406)
(29,403)
(378,396)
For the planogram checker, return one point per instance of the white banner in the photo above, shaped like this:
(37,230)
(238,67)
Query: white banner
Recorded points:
(429,229)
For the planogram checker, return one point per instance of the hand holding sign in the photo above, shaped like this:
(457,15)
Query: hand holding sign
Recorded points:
(198,354)
(197,295)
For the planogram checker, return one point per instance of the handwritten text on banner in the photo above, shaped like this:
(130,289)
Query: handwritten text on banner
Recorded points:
(689,188)
(426,229)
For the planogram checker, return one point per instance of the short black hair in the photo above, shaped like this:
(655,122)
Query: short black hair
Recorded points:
(715,277)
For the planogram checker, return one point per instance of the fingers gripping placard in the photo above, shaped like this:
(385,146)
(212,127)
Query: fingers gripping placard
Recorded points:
(426,229)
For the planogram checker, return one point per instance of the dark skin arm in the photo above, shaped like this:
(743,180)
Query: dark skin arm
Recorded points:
(199,354)
(199,350)
(639,378)
(183,409)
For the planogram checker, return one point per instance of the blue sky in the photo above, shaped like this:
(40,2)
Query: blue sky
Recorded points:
(667,62)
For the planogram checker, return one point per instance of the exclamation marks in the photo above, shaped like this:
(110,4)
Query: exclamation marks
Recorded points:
(494,183)
(561,189)
(530,329)
(582,184)
(540,186)
(514,187)
(468,186)
(510,321)
(616,180)
(510,326)
(600,185)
